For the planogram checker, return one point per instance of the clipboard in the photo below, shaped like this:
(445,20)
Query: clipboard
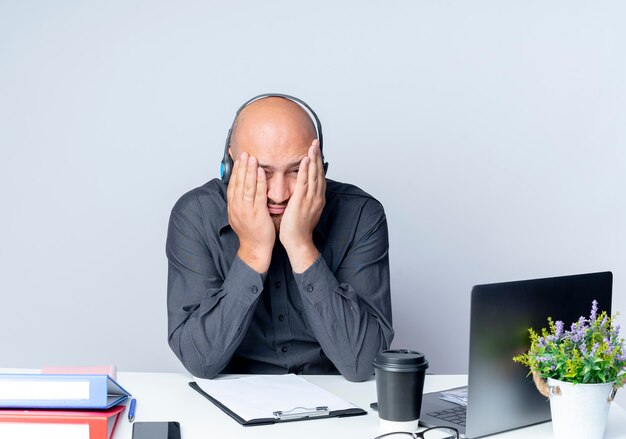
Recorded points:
(269,399)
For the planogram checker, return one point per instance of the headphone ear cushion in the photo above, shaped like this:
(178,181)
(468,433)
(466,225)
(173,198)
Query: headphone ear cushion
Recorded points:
(226,168)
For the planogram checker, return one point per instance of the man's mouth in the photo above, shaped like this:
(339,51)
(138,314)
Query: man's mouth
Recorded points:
(276,209)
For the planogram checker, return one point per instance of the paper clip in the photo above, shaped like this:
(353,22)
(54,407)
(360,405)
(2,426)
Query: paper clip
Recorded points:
(302,412)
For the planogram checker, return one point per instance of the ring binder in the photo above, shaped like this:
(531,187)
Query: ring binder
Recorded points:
(60,391)
(301,412)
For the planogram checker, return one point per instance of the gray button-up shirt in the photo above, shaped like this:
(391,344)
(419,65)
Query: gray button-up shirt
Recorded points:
(225,317)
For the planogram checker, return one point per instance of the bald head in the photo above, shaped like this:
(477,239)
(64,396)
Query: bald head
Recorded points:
(277,134)
(272,122)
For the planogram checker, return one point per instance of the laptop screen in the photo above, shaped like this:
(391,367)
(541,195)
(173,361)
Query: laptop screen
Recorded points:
(500,395)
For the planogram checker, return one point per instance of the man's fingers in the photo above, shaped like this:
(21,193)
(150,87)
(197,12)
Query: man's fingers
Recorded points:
(321,177)
(241,176)
(317,179)
(302,181)
(249,190)
(261,189)
(313,168)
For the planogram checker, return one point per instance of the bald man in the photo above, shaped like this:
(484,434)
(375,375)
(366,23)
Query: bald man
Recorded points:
(280,270)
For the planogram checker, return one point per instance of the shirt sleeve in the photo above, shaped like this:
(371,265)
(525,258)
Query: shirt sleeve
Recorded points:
(349,308)
(208,312)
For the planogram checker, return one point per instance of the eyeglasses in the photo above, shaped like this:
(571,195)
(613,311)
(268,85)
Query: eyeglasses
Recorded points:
(429,433)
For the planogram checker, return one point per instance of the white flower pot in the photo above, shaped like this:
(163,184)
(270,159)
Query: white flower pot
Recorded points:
(579,410)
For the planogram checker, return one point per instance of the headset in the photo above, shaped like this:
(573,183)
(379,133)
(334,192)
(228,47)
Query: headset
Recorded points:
(226,167)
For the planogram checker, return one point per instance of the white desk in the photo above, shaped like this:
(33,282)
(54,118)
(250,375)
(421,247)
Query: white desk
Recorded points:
(168,397)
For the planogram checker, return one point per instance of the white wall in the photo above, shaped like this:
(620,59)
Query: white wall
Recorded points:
(493,132)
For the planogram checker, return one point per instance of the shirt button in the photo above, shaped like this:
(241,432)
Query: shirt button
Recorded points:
(254,289)
(281,318)
(276,284)
(309,288)
(284,349)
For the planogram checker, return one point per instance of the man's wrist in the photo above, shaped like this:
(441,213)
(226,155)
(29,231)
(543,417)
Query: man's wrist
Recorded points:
(257,259)
(302,256)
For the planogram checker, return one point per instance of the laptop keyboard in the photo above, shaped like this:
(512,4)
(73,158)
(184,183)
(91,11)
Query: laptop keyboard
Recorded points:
(455,415)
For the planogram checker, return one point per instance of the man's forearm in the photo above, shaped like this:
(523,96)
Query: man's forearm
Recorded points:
(205,336)
(206,356)
(350,332)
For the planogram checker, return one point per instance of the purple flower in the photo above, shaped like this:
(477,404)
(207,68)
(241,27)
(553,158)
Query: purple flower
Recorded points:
(594,348)
(609,345)
(544,358)
(558,332)
(594,310)
(577,333)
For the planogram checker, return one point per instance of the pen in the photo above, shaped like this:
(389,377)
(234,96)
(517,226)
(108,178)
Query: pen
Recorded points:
(131,410)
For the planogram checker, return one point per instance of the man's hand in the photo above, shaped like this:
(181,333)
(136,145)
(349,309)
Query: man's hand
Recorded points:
(248,214)
(304,210)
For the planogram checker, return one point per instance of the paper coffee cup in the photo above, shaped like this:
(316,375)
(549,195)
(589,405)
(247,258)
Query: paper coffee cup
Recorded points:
(400,375)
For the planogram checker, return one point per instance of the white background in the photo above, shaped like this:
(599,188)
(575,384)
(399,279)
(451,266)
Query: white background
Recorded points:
(493,132)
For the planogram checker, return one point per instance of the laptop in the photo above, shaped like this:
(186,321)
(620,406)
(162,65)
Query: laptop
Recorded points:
(500,395)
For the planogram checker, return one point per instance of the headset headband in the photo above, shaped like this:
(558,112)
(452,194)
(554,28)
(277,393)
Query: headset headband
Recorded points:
(227,164)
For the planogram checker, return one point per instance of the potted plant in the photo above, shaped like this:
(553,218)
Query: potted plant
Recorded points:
(579,369)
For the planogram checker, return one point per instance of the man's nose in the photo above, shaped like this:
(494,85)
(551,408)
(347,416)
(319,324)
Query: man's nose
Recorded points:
(278,189)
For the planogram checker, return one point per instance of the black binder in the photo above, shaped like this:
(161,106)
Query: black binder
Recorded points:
(285,414)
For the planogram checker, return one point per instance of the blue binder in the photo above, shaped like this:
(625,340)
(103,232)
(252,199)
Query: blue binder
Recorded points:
(47,391)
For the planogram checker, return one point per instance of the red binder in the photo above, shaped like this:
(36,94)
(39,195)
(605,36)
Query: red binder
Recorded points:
(77,424)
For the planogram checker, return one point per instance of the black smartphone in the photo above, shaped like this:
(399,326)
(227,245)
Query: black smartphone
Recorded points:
(156,430)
